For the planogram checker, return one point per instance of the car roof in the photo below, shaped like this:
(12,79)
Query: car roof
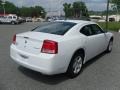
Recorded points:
(77,21)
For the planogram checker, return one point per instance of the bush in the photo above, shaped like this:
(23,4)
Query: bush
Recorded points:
(112,26)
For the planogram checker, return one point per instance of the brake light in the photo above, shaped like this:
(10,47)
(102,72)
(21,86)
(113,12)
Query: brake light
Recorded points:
(14,39)
(50,47)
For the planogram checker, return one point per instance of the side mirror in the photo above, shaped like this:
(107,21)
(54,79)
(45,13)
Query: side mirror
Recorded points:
(105,31)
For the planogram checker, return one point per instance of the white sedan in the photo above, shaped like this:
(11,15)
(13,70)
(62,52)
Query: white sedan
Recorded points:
(60,46)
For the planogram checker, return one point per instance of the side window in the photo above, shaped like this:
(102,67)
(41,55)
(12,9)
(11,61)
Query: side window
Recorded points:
(96,29)
(5,17)
(14,17)
(86,30)
(10,17)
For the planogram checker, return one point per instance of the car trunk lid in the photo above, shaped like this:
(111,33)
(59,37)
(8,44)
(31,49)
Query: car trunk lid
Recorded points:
(32,42)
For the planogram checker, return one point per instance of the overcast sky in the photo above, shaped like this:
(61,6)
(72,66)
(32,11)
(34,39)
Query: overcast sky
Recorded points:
(96,5)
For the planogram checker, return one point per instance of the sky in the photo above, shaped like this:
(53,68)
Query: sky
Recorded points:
(56,5)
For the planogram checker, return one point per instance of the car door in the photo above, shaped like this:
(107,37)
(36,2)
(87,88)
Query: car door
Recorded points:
(100,38)
(94,43)
(4,19)
(9,19)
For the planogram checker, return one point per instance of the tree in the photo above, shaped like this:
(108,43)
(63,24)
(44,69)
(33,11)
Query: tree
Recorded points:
(25,12)
(80,9)
(38,11)
(116,5)
(1,7)
(0,2)
(10,8)
(68,10)
(32,11)
(77,9)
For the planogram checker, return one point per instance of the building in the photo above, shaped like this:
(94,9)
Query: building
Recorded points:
(95,18)
(111,18)
(114,18)
(7,14)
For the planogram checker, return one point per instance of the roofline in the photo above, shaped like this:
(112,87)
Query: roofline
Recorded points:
(76,21)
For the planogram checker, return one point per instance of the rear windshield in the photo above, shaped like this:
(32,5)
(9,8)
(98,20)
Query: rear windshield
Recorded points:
(58,28)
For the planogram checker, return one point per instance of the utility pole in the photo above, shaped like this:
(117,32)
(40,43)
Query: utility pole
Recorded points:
(108,1)
(3,3)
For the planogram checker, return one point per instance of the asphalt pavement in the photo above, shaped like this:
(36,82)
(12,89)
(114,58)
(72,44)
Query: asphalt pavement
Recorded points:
(101,73)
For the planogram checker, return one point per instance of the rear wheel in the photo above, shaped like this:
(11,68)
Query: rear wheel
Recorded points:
(13,23)
(110,45)
(75,65)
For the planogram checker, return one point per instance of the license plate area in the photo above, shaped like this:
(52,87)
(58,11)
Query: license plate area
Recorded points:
(23,56)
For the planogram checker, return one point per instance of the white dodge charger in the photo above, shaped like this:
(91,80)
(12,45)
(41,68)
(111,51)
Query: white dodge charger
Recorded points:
(60,46)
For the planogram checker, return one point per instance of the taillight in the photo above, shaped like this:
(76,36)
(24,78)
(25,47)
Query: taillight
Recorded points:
(50,47)
(14,39)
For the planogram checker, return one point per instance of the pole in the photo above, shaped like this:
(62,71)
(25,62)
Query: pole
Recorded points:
(3,3)
(4,8)
(107,14)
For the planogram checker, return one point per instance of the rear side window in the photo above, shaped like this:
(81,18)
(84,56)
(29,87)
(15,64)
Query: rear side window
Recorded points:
(86,30)
(5,17)
(58,28)
(96,29)
(14,17)
(10,17)
(91,29)
(1,16)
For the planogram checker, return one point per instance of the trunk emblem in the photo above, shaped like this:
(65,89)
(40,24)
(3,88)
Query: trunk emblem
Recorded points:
(23,56)
(25,41)
(24,46)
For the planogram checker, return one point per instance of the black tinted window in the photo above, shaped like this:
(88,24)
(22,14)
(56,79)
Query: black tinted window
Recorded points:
(4,17)
(14,17)
(10,17)
(59,28)
(86,30)
(96,29)
(1,16)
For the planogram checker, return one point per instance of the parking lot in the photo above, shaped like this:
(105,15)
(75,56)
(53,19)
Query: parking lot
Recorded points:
(101,73)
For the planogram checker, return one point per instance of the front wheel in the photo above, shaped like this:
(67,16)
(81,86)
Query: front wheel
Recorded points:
(75,65)
(110,45)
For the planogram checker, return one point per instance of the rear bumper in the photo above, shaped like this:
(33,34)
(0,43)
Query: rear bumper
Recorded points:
(45,63)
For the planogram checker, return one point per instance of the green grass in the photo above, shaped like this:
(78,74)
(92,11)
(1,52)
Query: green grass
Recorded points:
(113,26)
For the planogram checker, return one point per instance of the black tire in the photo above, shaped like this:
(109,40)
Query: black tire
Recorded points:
(13,23)
(109,48)
(71,69)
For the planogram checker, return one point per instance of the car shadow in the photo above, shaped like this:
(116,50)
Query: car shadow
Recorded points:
(51,80)
(54,79)
(93,60)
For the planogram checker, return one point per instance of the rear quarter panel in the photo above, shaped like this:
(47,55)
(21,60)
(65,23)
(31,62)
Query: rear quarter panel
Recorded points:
(67,47)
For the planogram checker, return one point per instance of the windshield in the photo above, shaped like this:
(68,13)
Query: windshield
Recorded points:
(58,28)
